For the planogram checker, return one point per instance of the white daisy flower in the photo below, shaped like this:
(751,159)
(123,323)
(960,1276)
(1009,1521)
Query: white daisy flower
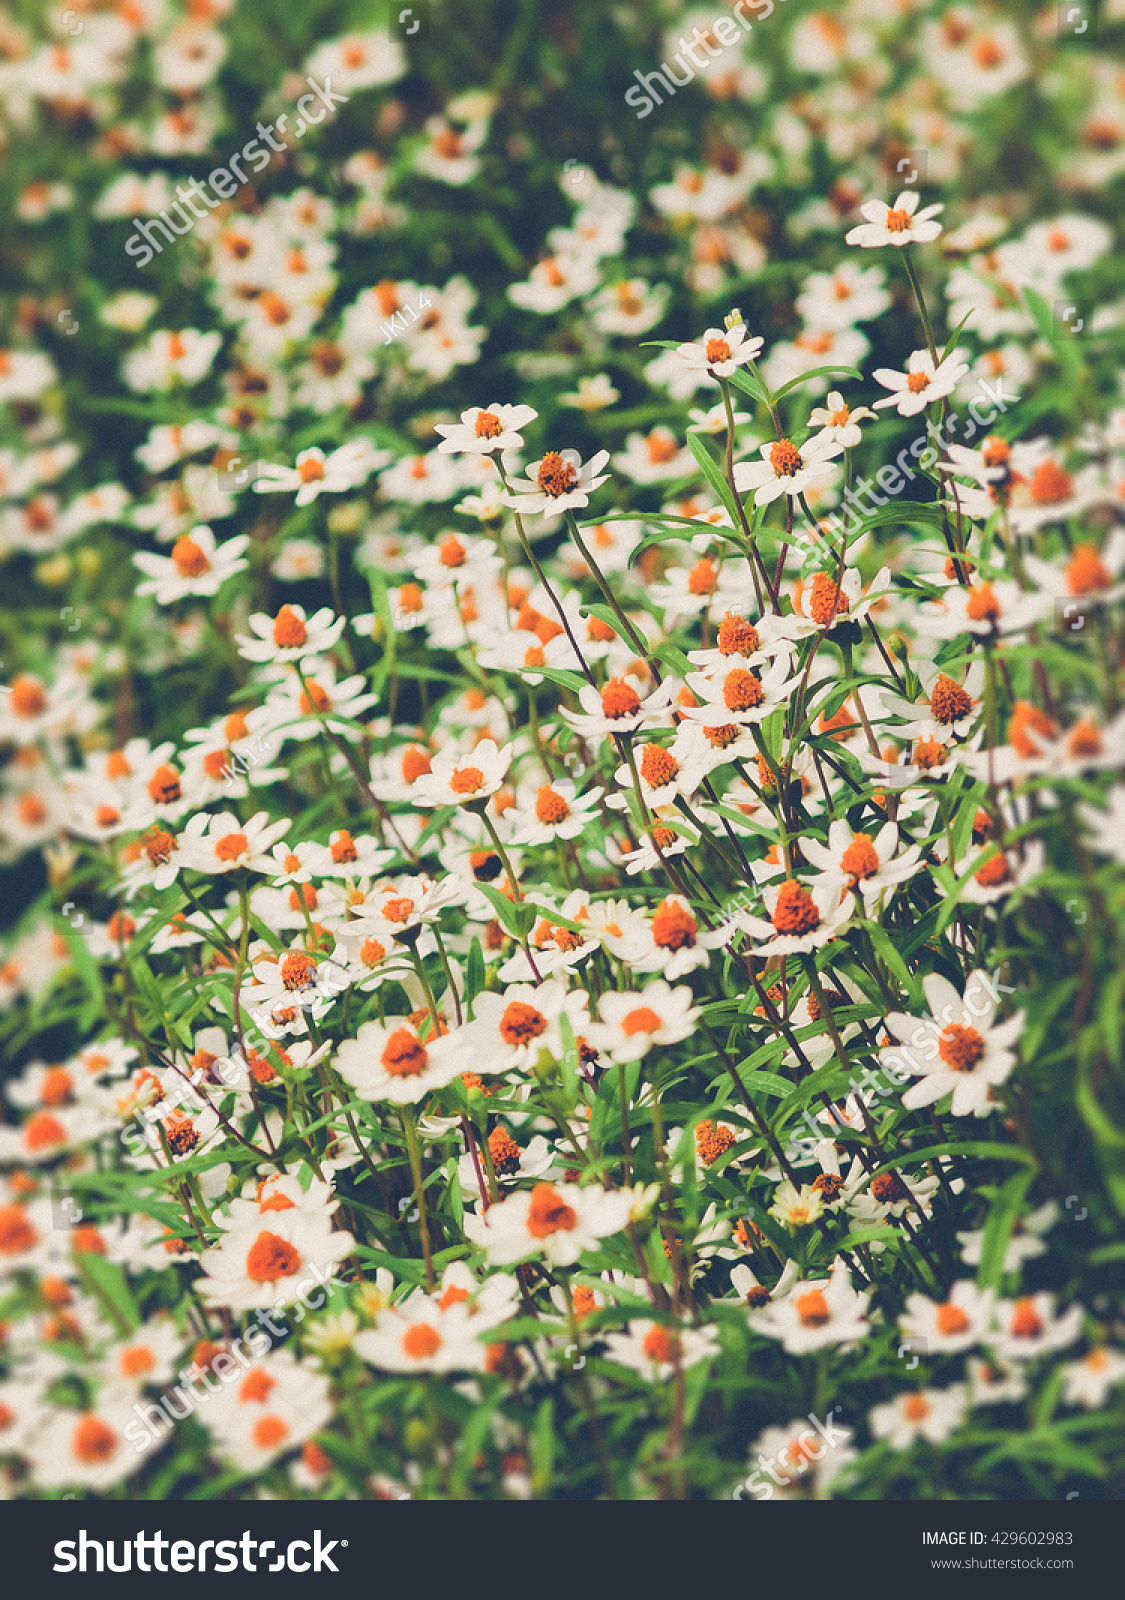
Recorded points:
(930,1414)
(196,567)
(966,1052)
(391,1061)
(921,384)
(558,482)
(720,351)
(786,470)
(900,224)
(485,429)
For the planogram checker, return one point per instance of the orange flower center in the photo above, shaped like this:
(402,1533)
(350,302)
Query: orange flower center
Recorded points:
(737,637)
(1026,1322)
(550,807)
(717,350)
(994,872)
(190,561)
(897,221)
(398,910)
(415,763)
(795,911)
(271,1257)
(951,1319)
(785,459)
(1086,571)
(256,1388)
(929,753)
(268,1432)
(57,1088)
(487,425)
(467,780)
(702,577)
(742,690)
(17,1232)
(139,1358)
(159,846)
(948,701)
(43,1129)
(298,972)
(288,629)
(917,381)
(712,1140)
(231,846)
(27,697)
(1084,739)
(93,1440)
(812,1309)
(987,52)
(1027,720)
(314,1458)
(404,1056)
(826,600)
(549,1213)
(181,1134)
(619,699)
(830,1186)
(961,1048)
(556,477)
(659,1345)
(505,1152)
(164,785)
(343,848)
(982,604)
(315,699)
(451,552)
(658,766)
(421,1340)
(1050,484)
(859,859)
(673,926)
(661,446)
(643,1020)
(521,1023)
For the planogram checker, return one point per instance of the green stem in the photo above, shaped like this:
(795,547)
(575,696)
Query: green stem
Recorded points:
(410,1128)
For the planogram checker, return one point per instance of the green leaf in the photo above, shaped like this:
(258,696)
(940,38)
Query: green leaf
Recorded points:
(955,337)
(568,1066)
(749,385)
(1002,1217)
(518,919)
(543,1447)
(981,1148)
(815,372)
(574,681)
(106,1281)
(475,976)
(710,470)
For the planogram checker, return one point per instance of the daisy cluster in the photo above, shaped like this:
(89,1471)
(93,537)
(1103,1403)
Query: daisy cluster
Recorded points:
(641,931)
